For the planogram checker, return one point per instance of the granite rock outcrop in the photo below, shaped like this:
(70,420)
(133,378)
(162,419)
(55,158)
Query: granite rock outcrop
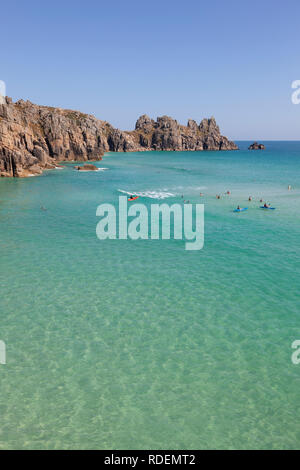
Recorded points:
(34,138)
(166,134)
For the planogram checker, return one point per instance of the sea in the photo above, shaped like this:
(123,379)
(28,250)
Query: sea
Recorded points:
(141,344)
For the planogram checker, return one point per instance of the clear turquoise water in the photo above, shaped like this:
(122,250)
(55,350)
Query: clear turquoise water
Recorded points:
(141,344)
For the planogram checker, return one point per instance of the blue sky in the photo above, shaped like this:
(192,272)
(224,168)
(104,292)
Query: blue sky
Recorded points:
(232,59)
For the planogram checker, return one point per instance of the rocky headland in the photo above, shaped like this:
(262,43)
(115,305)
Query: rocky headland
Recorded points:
(166,134)
(34,138)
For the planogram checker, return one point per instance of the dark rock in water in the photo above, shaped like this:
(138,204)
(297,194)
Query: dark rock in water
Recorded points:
(257,146)
(86,167)
(34,138)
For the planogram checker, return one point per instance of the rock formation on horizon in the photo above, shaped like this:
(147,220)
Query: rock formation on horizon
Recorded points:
(256,146)
(34,138)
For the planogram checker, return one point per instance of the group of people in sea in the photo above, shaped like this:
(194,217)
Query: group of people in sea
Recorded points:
(218,196)
(228,193)
(265,204)
(250,198)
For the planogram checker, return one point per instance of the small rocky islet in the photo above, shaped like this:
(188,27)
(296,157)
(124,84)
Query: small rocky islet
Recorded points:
(34,138)
(86,167)
(256,146)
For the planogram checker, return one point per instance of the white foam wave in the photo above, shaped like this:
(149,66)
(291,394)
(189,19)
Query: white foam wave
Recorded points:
(149,194)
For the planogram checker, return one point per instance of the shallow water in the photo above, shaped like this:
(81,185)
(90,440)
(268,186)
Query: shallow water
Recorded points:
(122,344)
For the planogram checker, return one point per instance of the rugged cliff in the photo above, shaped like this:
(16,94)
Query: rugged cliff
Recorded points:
(33,138)
(167,134)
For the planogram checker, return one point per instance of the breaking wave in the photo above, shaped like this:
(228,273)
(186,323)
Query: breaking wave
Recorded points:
(149,194)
